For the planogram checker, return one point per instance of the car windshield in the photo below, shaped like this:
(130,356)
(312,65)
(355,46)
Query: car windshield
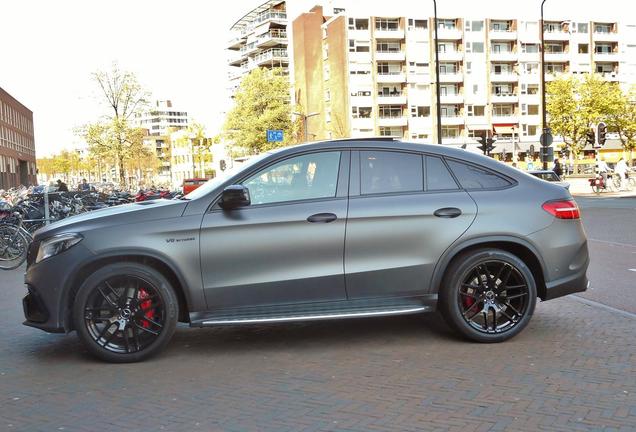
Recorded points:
(218,180)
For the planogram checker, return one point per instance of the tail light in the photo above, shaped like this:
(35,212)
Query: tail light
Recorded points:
(562,209)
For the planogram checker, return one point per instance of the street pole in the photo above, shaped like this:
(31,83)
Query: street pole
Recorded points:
(437,97)
(546,129)
(305,127)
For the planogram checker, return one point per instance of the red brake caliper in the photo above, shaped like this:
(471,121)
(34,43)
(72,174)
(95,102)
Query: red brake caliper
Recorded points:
(468,301)
(145,306)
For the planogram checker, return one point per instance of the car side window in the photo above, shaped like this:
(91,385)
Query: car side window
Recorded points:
(472,177)
(390,172)
(437,175)
(309,176)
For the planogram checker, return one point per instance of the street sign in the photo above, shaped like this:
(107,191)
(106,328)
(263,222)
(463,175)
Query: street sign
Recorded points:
(274,135)
(546,139)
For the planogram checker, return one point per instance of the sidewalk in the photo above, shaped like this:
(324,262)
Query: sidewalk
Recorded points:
(581,187)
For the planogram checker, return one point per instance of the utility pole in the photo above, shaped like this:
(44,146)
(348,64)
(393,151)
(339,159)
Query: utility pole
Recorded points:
(305,117)
(437,96)
(546,136)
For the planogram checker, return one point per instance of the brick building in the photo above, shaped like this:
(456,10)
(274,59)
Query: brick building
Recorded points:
(17,146)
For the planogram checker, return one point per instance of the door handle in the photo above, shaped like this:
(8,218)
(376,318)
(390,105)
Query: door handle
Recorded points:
(447,212)
(322,218)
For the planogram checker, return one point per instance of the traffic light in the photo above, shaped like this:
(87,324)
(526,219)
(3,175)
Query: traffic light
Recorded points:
(222,164)
(565,152)
(589,137)
(601,132)
(486,144)
(546,154)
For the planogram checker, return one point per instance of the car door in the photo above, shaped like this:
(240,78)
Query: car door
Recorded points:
(405,209)
(288,245)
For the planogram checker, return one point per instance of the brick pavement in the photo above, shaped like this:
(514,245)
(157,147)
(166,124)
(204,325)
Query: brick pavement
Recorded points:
(573,368)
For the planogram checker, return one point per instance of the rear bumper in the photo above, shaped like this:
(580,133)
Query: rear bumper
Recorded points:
(567,285)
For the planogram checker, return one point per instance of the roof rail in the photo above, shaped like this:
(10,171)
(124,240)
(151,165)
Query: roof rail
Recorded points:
(365,139)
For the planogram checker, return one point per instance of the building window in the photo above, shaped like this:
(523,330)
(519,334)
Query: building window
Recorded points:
(475,110)
(390,131)
(337,11)
(450,132)
(602,28)
(478,47)
(358,24)
(387,24)
(389,68)
(358,46)
(387,47)
(417,24)
(390,111)
(420,111)
(584,48)
(582,27)
(529,48)
(361,112)
(474,26)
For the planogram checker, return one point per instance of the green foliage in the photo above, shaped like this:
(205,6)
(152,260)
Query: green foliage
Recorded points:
(574,105)
(261,103)
(622,119)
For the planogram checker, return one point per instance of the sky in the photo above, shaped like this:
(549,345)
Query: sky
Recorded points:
(49,49)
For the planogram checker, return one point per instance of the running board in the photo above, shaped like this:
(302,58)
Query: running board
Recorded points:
(312,313)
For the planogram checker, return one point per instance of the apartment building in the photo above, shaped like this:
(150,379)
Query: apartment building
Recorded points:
(259,39)
(161,118)
(17,145)
(375,75)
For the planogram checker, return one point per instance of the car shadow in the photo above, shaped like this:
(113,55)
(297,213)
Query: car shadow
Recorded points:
(313,335)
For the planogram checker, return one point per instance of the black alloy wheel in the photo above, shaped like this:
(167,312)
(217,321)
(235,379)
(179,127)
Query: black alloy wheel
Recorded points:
(125,312)
(493,297)
(488,295)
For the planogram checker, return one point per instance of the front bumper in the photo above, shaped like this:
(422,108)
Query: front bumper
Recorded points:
(46,306)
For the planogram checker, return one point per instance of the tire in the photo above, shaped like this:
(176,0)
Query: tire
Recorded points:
(488,280)
(14,245)
(125,312)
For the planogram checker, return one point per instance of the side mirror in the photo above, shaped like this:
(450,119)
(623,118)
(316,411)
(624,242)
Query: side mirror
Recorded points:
(235,196)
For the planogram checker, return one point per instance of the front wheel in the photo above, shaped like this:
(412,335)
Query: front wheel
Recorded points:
(14,244)
(125,312)
(488,295)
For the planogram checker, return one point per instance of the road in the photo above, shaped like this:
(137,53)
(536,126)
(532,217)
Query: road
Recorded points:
(573,368)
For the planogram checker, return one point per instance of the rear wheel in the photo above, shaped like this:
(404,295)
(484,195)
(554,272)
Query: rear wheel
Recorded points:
(125,312)
(488,295)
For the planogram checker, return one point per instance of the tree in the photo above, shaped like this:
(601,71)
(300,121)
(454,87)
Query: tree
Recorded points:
(622,120)
(575,105)
(113,136)
(261,103)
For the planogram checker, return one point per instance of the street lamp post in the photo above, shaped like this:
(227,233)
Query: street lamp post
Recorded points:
(305,117)
(545,137)
(437,97)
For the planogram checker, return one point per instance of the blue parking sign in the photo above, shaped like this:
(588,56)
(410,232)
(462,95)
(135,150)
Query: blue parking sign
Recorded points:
(274,135)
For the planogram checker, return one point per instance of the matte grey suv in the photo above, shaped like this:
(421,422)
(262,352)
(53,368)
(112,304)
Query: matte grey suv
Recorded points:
(337,229)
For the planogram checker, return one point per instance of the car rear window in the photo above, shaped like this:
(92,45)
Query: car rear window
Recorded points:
(473,177)
(437,175)
(390,172)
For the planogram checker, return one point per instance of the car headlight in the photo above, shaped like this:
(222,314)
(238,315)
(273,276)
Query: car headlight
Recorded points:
(56,244)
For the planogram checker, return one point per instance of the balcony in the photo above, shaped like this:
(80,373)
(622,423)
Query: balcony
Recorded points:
(451,77)
(236,43)
(273,55)
(504,98)
(279,17)
(391,77)
(505,118)
(502,35)
(388,33)
(452,120)
(272,38)
(390,55)
(503,55)
(562,56)
(504,77)
(606,57)
(446,33)
(392,121)
(605,36)
(391,99)
(452,55)
(456,98)
(236,58)
(556,35)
